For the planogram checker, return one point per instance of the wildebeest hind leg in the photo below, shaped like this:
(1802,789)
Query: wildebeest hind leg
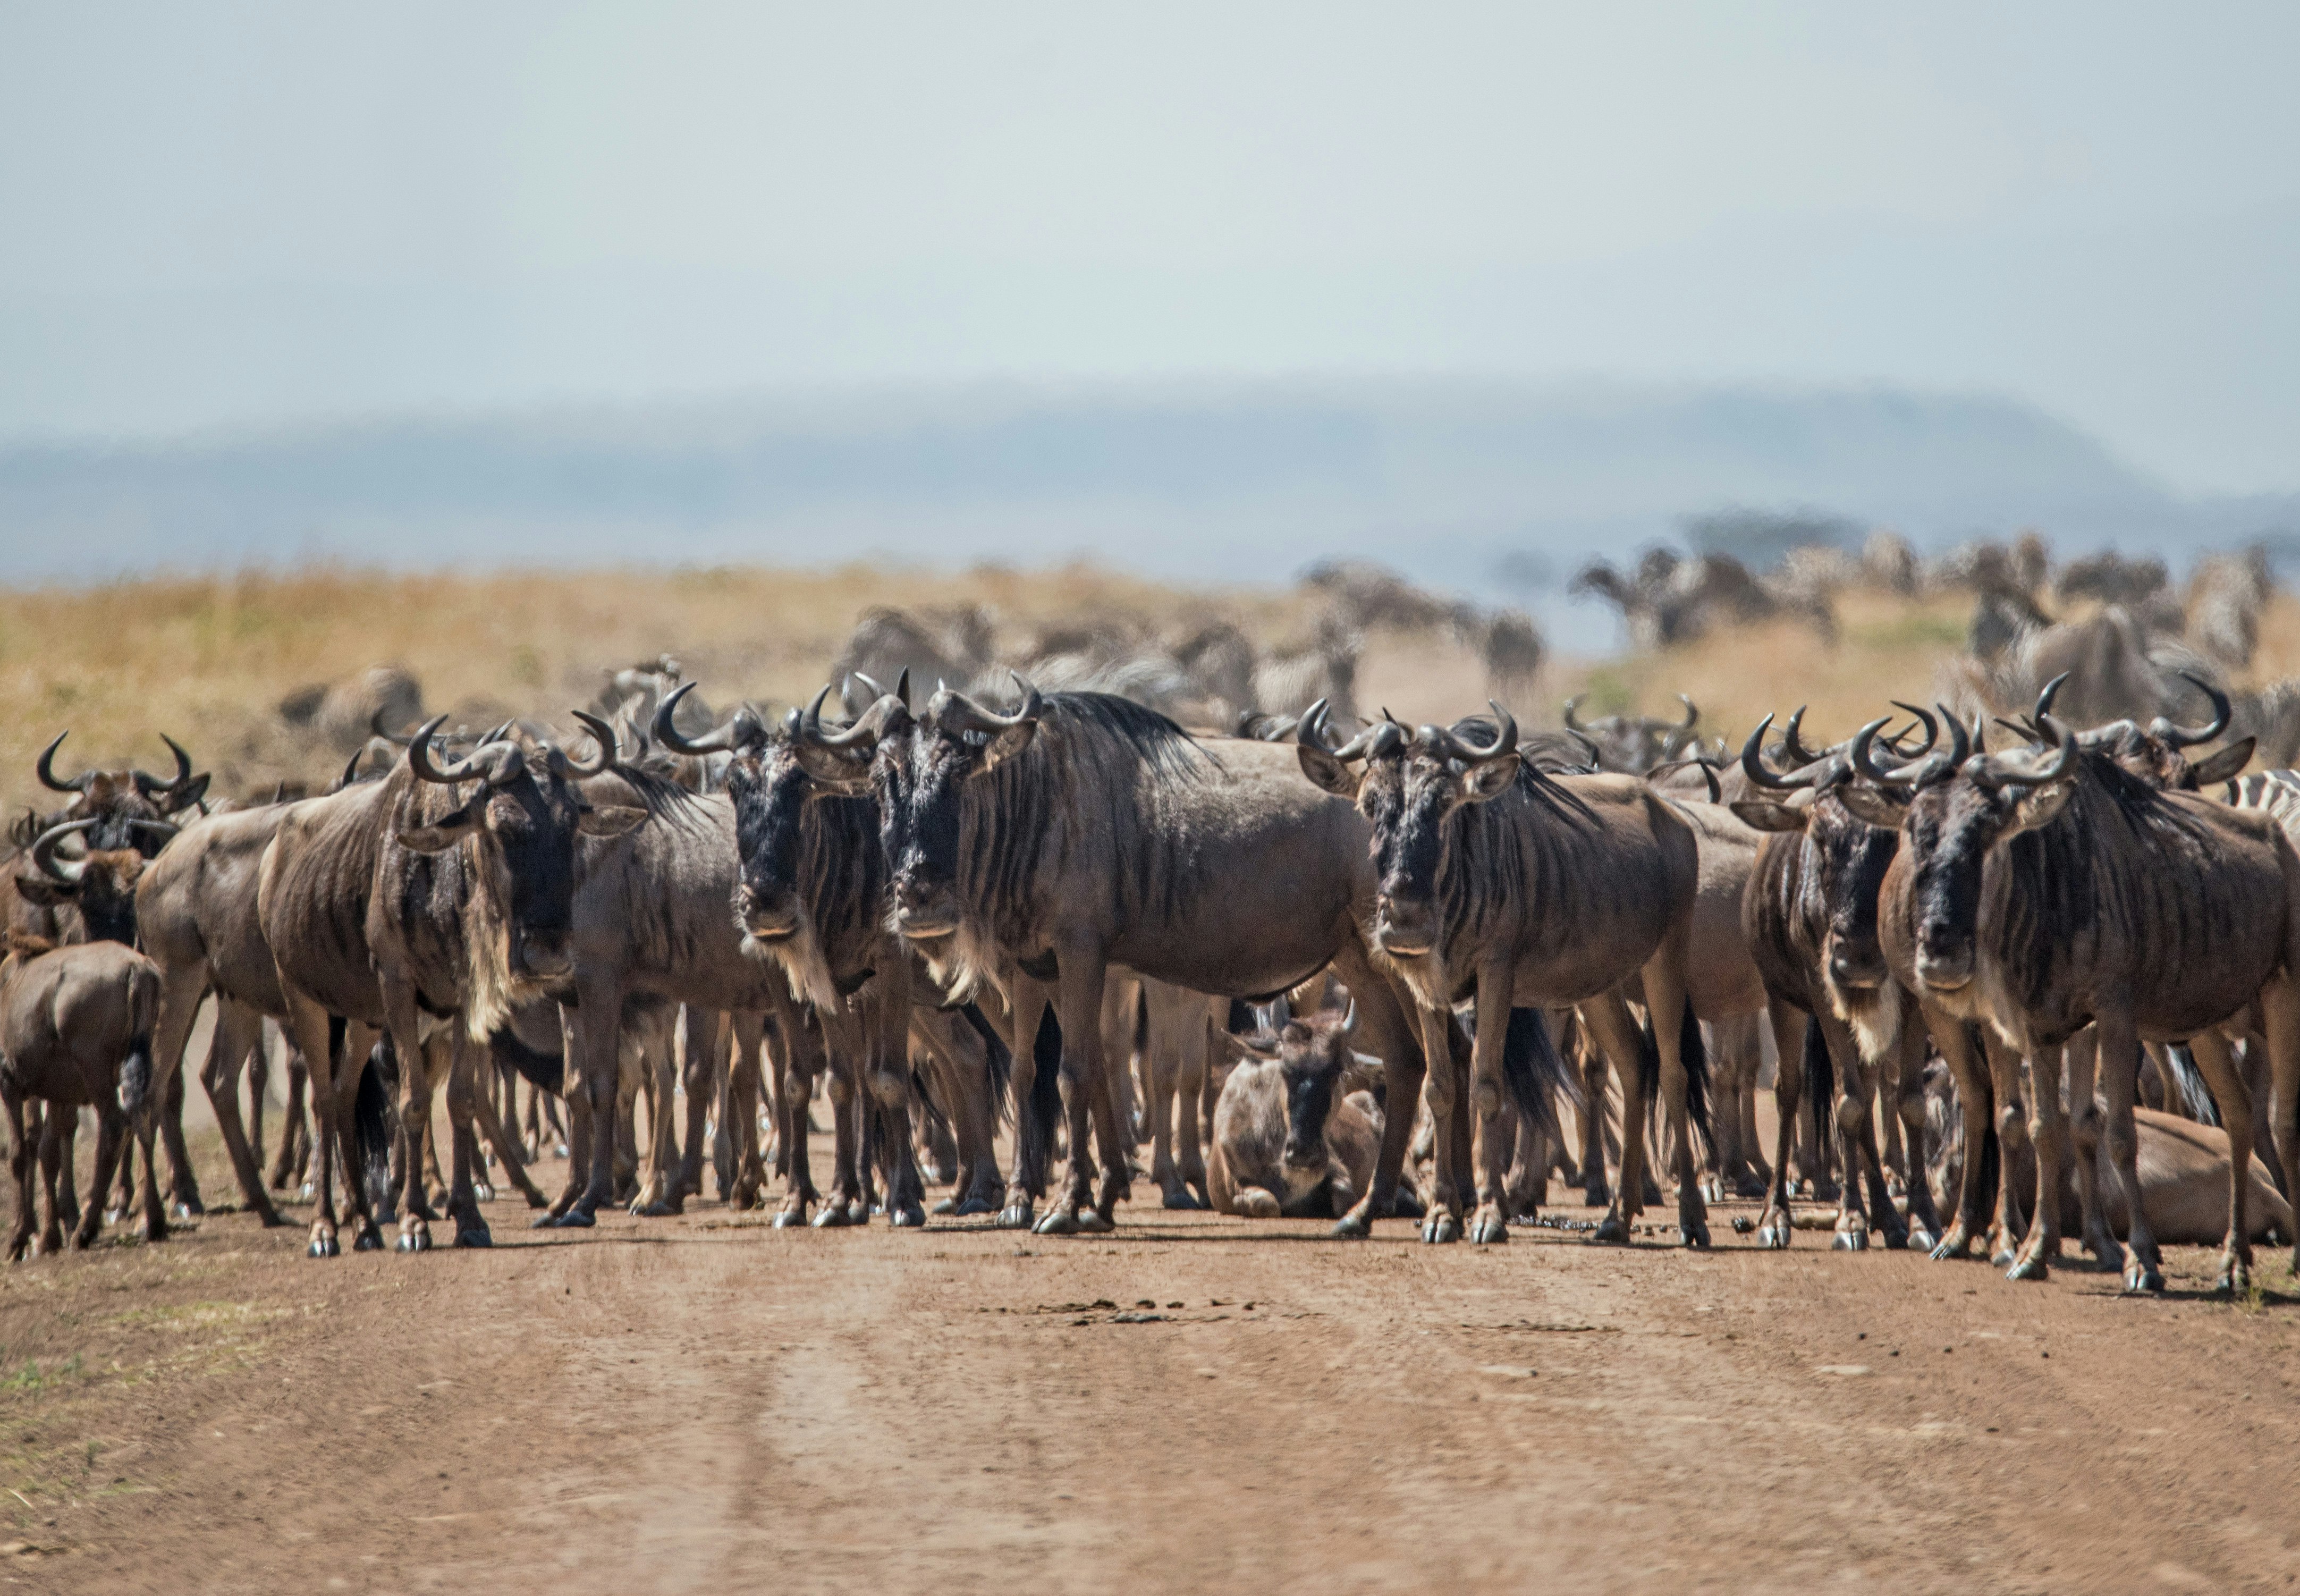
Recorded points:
(1385,1032)
(2119,1072)
(464,1101)
(1494,1133)
(2279,1005)
(2226,1078)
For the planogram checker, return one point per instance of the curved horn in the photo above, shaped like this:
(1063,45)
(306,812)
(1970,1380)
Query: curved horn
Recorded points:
(375,729)
(471,767)
(1350,1016)
(1753,763)
(43,853)
(610,751)
(162,829)
(351,768)
(48,769)
(1572,704)
(2045,699)
(1991,774)
(1932,726)
(2182,737)
(1310,732)
(861,738)
(960,713)
(1864,761)
(1692,712)
(1793,744)
(1441,741)
(153,787)
(743,729)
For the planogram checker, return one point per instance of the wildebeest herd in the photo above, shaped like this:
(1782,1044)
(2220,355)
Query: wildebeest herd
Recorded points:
(1383,968)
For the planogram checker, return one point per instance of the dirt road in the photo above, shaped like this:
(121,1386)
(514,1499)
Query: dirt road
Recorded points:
(1193,1403)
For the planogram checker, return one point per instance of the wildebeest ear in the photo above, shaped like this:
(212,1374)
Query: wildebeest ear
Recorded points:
(841,778)
(1328,772)
(608,820)
(2037,806)
(443,834)
(1363,1073)
(1766,816)
(2223,765)
(44,890)
(1886,813)
(1005,746)
(1262,1047)
(191,795)
(1489,778)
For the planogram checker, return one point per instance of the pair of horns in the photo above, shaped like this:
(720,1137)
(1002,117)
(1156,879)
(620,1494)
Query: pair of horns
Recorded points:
(146,783)
(69,872)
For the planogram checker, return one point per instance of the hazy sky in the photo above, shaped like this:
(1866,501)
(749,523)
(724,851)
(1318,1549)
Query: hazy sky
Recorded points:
(225,216)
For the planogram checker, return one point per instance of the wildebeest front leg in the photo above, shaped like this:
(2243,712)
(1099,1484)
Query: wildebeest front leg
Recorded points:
(1443,1091)
(2048,1133)
(112,1133)
(1383,1031)
(2223,1073)
(2082,1059)
(1671,1008)
(464,1097)
(1908,1066)
(2279,1009)
(1496,983)
(593,1048)
(21,1159)
(746,1077)
(1974,1102)
(238,1035)
(510,1157)
(52,1130)
(400,1020)
(2120,1072)
(1083,974)
(1607,1023)
(1865,1200)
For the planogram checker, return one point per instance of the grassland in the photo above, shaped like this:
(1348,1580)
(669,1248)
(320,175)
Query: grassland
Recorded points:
(209,659)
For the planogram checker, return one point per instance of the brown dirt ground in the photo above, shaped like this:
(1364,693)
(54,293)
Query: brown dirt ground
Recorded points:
(706,1402)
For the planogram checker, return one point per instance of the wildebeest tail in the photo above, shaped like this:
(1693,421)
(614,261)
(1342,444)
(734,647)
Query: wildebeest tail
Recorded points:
(371,1131)
(1001,1063)
(546,1070)
(1820,1072)
(1534,1072)
(2190,1083)
(1034,1137)
(1692,1052)
(135,1075)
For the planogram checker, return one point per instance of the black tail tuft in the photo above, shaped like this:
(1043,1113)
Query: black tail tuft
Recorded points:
(1992,1160)
(371,1133)
(1648,1073)
(1000,1064)
(2189,1081)
(135,1080)
(1820,1074)
(1534,1072)
(1034,1137)
(1692,1051)
(546,1070)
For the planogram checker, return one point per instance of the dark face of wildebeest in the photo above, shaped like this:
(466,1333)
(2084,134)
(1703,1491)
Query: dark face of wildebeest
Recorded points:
(1411,790)
(100,883)
(1315,1061)
(117,804)
(524,818)
(1951,813)
(921,776)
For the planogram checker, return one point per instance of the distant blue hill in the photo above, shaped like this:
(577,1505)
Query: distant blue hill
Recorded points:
(1453,481)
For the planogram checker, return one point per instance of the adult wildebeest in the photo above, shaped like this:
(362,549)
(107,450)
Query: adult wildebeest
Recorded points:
(2041,893)
(75,1031)
(447,892)
(1040,848)
(1634,744)
(812,899)
(1519,888)
(1295,1132)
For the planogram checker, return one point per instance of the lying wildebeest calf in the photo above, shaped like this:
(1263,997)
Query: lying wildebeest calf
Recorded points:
(75,1029)
(1295,1133)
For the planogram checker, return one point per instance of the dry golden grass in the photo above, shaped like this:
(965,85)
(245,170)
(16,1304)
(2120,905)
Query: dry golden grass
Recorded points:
(208,660)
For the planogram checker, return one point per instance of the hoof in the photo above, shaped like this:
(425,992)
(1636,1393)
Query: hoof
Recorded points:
(482,1191)
(1180,1199)
(1014,1217)
(946,1208)
(832,1217)
(659,1209)
(2031,1266)
(1094,1222)
(970,1207)
(1613,1230)
(114,1215)
(1057,1223)
(790,1218)
(1774,1237)
(1488,1232)
(1440,1228)
(1921,1240)
(1849,1241)
(324,1247)
(576,1219)
(367,1239)
(1596,1197)
(1350,1227)
(1896,1240)
(304,1192)
(414,1241)
(558,1149)
(1696,1236)
(2140,1278)
(543,1222)
(182,1209)
(475,1236)
(906,1216)
(2235,1281)
(1750,1187)
(1952,1246)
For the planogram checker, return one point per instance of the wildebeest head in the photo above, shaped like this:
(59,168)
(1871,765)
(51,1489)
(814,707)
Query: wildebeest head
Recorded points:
(922,770)
(115,801)
(522,819)
(1636,744)
(2158,756)
(1845,858)
(100,884)
(1410,789)
(1317,1067)
(1951,811)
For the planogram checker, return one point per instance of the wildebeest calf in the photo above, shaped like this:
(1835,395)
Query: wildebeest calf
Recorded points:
(76,1030)
(1291,1138)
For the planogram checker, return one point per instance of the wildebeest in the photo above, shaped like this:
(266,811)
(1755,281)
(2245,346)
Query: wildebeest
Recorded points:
(2040,892)
(1296,1134)
(75,1031)
(1081,831)
(1522,888)
(1634,744)
(447,892)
